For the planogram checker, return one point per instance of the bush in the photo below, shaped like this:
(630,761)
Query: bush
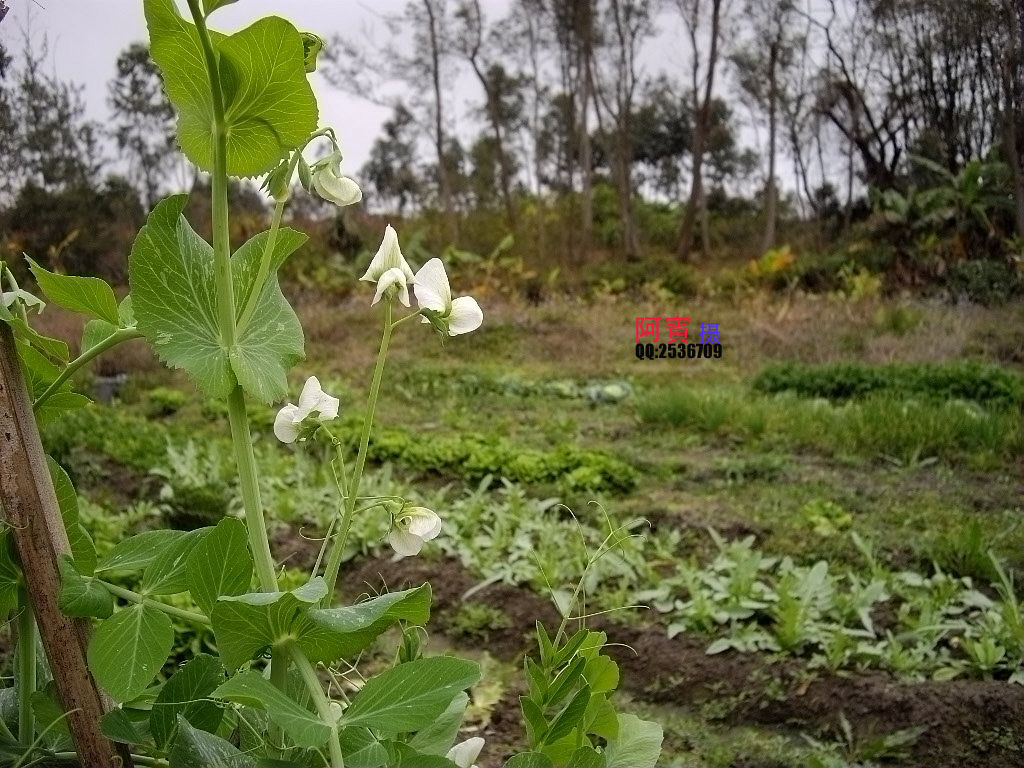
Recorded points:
(164,401)
(985,384)
(990,282)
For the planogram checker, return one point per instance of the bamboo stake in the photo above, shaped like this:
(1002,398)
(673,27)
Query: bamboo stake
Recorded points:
(29,504)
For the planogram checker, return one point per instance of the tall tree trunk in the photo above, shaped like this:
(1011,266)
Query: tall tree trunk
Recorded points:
(1013,119)
(443,182)
(586,39)
(771,190)
(699,139)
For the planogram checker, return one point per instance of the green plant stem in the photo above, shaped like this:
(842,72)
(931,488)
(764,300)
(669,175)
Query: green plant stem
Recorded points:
(134,597)
(118,337)
(26,667)
(237,416)
(264,270)
(320,700)
(338,546)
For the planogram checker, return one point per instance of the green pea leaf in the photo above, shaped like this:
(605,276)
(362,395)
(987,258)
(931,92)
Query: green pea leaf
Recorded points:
(586,757)
(268,103)
(439,736)
(253,690)
(187,694)
(529,760)
(174,295)
(83,551)
(88,295)
(220,564)
(95,333)
(638,744)
(410,696)
(209,6)
(82,595)
(128,650)
(194,748)
(140,550)
(51,722)
(602,674)
(168,573)
(171,272)
(10,575)
(272,341)
(128,726)
(361,749)
(245,625)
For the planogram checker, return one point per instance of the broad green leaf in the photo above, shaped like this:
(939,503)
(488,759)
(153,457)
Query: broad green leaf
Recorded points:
(408,697)
(58,404)
(83,551)
(272,342)
(332,633)
(253,690)
(209,6)
(638,744)
(193,748)
(128,650)
(187,693)
(245,625)
(87,295)
(95,333)
(128,726)
(167,574)
(53,348)
(51,722)
(140,550)
(269,105)
(10,575)
(361,749)
(174,288)
(174,294)
(80,595)
(529,760)
(601,718)
(401,755)
(126,312)
(570,717)
(39,371)
(439,736)
(220,564)
(586,757)
(602,674)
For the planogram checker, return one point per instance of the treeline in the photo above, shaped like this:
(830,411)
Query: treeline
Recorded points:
(672,129)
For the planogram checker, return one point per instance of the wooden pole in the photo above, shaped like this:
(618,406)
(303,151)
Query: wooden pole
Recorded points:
(29,504)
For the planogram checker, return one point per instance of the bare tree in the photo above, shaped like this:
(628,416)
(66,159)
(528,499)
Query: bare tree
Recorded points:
(692,13)
(625,26)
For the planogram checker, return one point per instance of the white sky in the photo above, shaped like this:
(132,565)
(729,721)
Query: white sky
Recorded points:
(85,37)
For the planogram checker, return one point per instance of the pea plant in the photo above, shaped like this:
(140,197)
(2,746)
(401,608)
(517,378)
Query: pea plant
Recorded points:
(282,687)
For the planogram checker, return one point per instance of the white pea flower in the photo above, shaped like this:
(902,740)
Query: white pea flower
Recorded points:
(313,401)
(332,185)
(388,256)
(464,755)
(395,278)
(414,526)
(434,294)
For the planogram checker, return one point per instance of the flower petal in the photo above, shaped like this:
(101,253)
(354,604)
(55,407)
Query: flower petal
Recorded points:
(432,288)
(466,753)
(393,277)
(388,255)
(286,424)
(404,543)
(422,522)
(340,190)
(311,394)
(466,316)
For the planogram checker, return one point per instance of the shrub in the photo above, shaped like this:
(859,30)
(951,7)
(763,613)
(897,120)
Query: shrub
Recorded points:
(164,401)
(985,384)
(988,282)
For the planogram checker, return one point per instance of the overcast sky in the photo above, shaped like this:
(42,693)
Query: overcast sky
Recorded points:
(85,37)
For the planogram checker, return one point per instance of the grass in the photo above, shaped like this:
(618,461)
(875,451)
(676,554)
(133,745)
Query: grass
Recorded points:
(925,479)
(880,426)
